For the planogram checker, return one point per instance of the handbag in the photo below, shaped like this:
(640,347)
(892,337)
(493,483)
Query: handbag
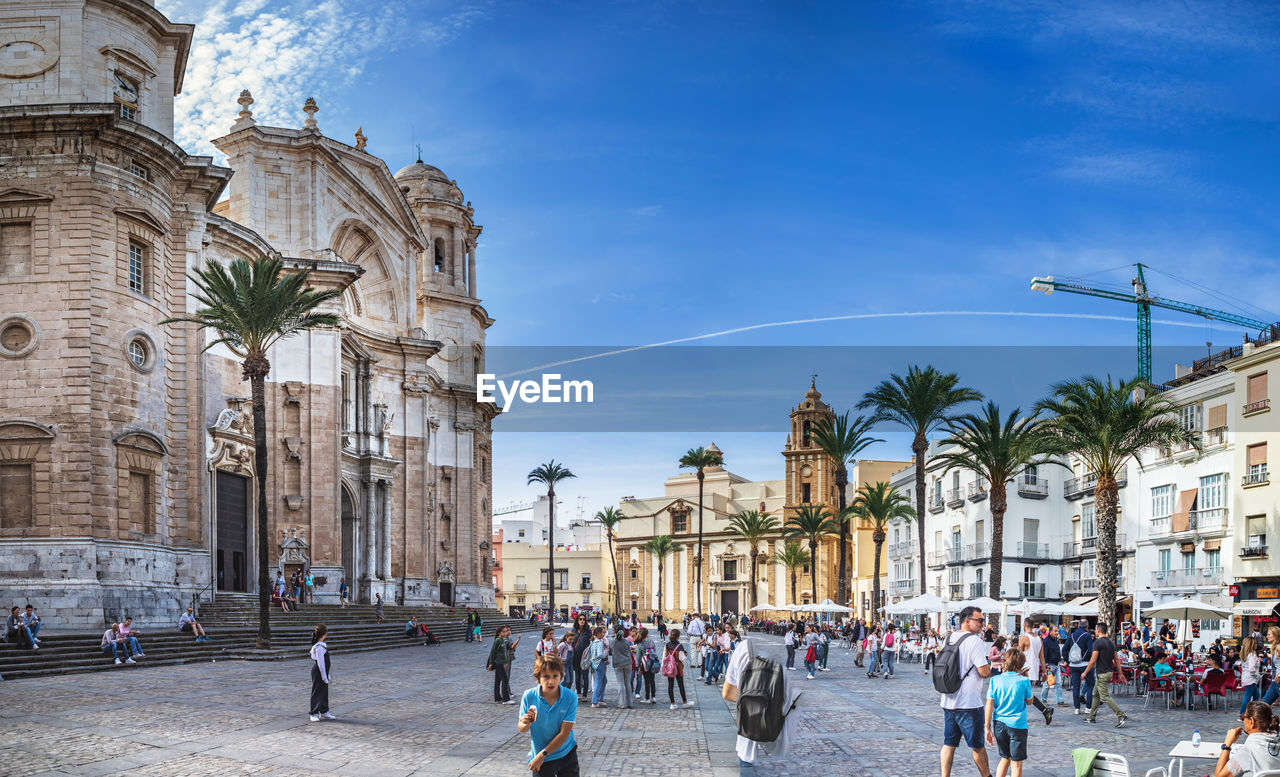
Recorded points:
(811,655)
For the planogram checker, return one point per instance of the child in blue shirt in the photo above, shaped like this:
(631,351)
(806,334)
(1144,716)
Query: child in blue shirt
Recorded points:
(1008,696)
(547,715)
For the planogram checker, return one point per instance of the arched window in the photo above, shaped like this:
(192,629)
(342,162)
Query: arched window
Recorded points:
(808,431)
(438,252)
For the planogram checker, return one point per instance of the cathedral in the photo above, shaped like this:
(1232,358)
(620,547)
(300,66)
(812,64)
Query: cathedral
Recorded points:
(127,475)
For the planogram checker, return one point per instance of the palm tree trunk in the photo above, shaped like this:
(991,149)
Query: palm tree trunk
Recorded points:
(999,503)
(877,537)
(793,587)
(920,446)
(1107,502)
(843,592)
(617,584)
(754,553)
(698,561)
(258,388)
(551,554)
(813,570)
(660,586)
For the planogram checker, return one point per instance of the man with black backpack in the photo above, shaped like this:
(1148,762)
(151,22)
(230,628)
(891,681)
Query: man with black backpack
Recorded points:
(957,675)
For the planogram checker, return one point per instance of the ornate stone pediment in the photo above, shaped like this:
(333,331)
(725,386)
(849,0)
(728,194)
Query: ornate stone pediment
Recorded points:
(445,572)
(294,548)
(232,437)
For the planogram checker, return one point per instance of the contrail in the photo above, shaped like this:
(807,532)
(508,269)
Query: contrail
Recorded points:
(852,317)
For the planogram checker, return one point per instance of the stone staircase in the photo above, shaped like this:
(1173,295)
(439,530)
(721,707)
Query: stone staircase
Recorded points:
(232,623)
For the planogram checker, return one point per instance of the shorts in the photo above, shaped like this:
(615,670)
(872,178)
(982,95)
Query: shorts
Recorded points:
(962,723)
(1010,741)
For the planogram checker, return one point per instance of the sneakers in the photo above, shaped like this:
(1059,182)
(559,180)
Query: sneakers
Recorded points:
(118,661)
(509,701)
(315,718)
(673,706)
(1090,719)
(1048,716)
(139,654)
(1077,711)
(328,716)
(1122,722)
(809,677)
(1062,704)
(689,704)
(130,661)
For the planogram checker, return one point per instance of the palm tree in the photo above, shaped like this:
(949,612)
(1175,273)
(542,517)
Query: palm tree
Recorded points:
(792,556)
(753,526)
(700,459)
(922,402)
(879,504)
(252,305)
(995,449)
(549,474)
(812,523)
(843,441)
(661,547)
(1105,424)
(610,517)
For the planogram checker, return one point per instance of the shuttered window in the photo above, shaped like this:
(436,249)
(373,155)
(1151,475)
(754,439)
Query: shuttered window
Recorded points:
(17,503)
(1257,387)
(1217,416)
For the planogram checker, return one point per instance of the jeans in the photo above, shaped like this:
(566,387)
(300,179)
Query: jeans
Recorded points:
(1081,687)
(822,654)
(1056,671)
(501,682)
(567,682)
(873,662)
(1273,692)
(810,666)
(928,662)
(33,630)
(582,678)
(1102,693)
(133,645)
(623,674)
(791,656)
(115,651)
(650,689)
(601,672)
(1251,692)
(890,658)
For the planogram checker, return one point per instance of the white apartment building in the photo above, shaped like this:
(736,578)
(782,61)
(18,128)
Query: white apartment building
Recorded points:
(1183,501)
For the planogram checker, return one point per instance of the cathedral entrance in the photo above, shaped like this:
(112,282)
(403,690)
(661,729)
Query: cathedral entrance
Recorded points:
(231,555)
(350,538)
(728,601)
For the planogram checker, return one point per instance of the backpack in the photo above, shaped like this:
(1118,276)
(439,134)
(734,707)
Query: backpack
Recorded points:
(888,640)
(761,697)
(584,663)
(1076,654)
(946,668)
(669,668)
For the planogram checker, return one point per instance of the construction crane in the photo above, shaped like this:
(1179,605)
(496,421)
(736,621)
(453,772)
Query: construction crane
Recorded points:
(1144,300)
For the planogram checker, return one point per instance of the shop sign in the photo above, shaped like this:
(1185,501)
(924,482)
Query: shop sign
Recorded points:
(1233,590)
(1267,593)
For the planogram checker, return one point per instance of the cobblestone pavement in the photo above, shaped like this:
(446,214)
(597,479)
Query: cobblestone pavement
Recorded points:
(411,711)
(858,727)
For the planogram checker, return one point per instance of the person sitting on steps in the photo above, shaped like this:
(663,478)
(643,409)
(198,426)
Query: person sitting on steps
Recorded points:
(114,643)
(14,629)
(131,637)
(187,622)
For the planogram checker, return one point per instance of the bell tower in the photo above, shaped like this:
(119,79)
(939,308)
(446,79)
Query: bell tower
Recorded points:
(810,472)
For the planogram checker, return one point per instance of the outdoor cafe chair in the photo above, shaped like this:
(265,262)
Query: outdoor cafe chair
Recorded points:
(1160,685)
(1212,685)
(1112,765)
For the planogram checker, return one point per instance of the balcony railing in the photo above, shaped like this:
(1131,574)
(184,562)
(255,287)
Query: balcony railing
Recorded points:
(1036,488)
(1088,546)
(1033,550)
(935,559)
(1256,407)
(1254,551)
(521,586)
(899,549)
(977,589)
(955,555)
(935,502)
(905,586)
(1215,436)
(1083,486)
(976,551)
(1179,578)
(977,491)
(1160,525)
(1031,590)
(1088,585)
(586,585)
(955,497)
(1208,520)
(1256,478)
(957,591)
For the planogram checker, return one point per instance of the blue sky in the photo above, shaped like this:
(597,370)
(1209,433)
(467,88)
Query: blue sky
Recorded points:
(651,171)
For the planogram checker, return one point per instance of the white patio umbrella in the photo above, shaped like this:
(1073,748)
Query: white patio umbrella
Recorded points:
(1187,609)
(826,605)
(924,604)
(790,607)
(984,603)
(765,608)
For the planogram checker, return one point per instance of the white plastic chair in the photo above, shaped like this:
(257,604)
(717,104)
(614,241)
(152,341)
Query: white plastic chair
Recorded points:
(1111,765)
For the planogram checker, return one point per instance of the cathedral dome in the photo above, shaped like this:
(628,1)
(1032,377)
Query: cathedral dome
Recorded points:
(419,170)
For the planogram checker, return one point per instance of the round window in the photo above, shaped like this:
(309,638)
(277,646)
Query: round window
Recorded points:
(138,354)
(17,336)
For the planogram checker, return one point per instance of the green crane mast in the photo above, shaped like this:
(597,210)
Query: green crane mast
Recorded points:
(1144,301)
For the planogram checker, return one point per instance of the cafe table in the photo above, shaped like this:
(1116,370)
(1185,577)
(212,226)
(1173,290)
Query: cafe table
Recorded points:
(1185,749)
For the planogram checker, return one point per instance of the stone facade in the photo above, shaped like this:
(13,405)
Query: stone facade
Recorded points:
(126,449)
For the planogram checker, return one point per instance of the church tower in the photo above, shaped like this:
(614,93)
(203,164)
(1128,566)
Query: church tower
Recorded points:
(811,474)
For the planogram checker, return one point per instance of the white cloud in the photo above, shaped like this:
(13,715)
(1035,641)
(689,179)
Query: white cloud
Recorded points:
(284,52)
(647,210)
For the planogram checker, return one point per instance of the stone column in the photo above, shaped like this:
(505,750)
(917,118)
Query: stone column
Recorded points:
(459,270)
(385,567)
(370,535)
(471,273)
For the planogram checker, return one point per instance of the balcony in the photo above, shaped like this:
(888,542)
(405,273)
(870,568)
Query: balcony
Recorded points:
(935,559)
(1215,436)
(1213,519)
(901,549)
(1261,406)
(1036,550)
(1033,488)
(977,589)
(1254,551)
(1089,546)
(1077,488)
(1256,478)
(935,502)
(1088,585)
(1160,525)
(586,585)
(1183,578)
(521,586)
(955,497)
(977,551)
(1031,590)
(954,555)
(905,587)
(956,591)
(977,490)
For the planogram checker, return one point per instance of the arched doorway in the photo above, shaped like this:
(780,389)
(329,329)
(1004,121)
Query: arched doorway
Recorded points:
(231,554)
(350,539)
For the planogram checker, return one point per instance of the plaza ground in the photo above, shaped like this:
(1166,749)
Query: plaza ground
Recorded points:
(428,711)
